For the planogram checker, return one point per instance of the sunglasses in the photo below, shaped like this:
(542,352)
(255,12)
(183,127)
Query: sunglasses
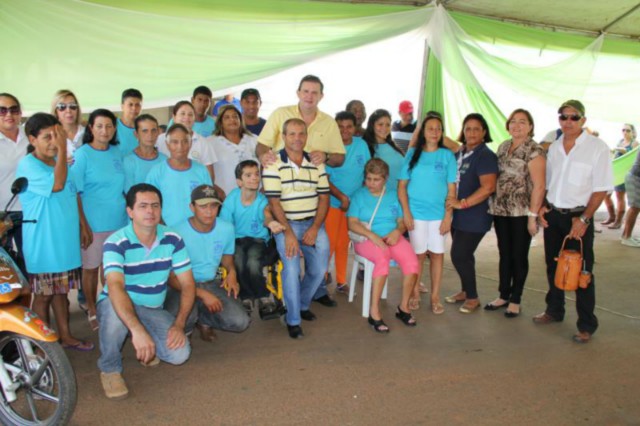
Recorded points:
(62,107)
(572,117)
(626,130)
(12,110)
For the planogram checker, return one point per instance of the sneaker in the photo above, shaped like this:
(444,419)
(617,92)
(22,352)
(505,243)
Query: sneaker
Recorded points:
(630,242)
(342,288)
(114,385)
(248,305)
(266,305)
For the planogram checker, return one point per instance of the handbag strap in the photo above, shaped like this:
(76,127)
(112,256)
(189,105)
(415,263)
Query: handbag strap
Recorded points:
(565,241)
(377,205)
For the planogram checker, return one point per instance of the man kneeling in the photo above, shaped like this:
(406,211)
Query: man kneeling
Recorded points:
(137,261)
(210,241)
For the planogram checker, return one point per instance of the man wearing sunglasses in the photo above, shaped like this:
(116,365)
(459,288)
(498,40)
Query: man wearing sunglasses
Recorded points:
(13,145)
(579,174)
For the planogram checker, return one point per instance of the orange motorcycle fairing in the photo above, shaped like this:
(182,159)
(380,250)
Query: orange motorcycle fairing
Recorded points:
(21,320)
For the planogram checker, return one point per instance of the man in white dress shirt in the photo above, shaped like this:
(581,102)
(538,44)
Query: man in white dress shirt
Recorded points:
(579,174)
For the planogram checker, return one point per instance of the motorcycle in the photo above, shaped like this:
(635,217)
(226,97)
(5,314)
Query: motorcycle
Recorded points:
(37,381)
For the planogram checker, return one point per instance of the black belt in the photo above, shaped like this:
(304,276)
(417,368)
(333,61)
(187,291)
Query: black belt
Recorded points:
(578,209)
(303,219)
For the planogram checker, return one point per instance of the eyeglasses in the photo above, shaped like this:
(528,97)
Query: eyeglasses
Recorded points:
(572,117)
(12,110)
(626,130)
(62,107)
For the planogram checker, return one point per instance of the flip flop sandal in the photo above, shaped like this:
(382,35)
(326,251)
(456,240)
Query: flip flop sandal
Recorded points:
(81,346)
(93,322)
(437,308)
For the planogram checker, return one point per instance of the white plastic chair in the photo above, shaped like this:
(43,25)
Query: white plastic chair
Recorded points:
(366,283)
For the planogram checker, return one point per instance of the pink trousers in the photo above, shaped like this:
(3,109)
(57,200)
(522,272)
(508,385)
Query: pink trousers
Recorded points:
(402,253)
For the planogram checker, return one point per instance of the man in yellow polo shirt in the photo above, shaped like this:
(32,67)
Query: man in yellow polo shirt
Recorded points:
(298,194)
(324,144)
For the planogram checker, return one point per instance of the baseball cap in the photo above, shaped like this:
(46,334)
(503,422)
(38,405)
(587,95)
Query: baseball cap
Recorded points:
(205,194)
(405,107)
(577,105)
(250,92)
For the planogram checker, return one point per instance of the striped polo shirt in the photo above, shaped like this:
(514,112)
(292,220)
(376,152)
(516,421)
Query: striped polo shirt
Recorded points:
(297,187)
(145,270)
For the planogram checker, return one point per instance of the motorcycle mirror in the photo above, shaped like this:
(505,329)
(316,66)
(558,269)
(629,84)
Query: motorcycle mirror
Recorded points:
(19,185)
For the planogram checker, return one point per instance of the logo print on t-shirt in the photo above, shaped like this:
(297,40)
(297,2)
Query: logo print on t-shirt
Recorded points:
(360,160)
(195,154)
(217,248)
(394,211)
(193,185)
(438,167)
(117,164)
(255,227)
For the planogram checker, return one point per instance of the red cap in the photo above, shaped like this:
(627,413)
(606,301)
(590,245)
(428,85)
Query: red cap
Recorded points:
(405,107)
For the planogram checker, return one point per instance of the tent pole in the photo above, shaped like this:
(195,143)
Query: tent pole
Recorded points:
(423,81)
(620,18)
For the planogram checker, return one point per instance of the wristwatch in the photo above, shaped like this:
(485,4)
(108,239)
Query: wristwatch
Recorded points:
(585,220)
(532,214)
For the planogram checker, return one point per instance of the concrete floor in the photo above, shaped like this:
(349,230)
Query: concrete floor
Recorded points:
(450,369)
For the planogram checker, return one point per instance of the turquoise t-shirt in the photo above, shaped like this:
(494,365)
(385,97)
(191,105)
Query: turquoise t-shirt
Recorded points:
(247,220)
(207,248)
(52,243)
(99,177)
(350,176)
(126,137)
(137,168)
(204,128)
(394,159)
(363,204)
(175,187)
(428,180)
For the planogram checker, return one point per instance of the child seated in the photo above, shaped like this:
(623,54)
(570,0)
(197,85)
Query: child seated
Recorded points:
(248,210)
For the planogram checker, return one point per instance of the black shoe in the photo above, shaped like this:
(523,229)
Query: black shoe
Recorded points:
(295,331)
(378,325)
(326,301)
(510,314)
(308,315)
(490,307)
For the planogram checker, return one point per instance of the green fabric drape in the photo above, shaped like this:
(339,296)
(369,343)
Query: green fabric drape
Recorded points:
(622,165)
(433,97)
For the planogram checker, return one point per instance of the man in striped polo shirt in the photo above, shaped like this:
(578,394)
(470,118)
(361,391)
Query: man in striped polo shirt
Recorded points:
(137,262)
(298,193)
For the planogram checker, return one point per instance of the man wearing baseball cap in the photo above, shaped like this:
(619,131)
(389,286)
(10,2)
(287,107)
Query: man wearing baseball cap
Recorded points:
(402,130)
(579,174)
(210,242)
(251,101)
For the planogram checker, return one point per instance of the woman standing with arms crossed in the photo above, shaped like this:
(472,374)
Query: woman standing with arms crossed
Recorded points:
(99,176)
(519,194)
(477,171)
(428,165)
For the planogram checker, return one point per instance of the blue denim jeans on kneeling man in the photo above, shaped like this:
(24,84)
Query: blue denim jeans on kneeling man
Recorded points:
(298,292)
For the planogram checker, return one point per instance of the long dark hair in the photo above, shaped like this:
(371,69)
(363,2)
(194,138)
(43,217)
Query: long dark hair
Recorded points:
(369,135)
(88,133)
(422,141)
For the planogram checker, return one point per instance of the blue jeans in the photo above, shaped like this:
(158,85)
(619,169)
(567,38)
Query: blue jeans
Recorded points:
(299,292)
(233,316)
(113,333)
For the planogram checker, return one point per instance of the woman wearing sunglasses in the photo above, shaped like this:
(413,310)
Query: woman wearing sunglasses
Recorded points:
(13,145)
(626,144)
(66,109)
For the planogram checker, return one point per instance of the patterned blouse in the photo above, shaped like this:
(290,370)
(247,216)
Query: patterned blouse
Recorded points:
(514,185)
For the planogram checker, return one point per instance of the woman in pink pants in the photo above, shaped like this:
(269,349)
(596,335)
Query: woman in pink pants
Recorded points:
(384,240)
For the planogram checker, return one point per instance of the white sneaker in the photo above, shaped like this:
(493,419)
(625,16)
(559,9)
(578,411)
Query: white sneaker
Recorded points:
(630,242)
(114,385)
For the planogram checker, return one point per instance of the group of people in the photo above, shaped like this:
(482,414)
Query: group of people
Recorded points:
(153,216)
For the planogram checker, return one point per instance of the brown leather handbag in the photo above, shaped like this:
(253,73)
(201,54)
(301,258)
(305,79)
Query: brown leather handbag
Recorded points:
(571,272)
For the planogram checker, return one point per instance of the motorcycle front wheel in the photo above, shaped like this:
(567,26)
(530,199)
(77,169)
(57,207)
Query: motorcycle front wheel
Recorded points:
(42,380)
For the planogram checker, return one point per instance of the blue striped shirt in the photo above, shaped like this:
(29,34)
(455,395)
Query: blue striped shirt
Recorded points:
(145,270)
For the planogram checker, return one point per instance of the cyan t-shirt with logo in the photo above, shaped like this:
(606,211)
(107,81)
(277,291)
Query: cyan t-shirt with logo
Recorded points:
(175,187)
(247,220)
(99,178)
(363,203)
(350,176)
(207,248)
(428,182)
